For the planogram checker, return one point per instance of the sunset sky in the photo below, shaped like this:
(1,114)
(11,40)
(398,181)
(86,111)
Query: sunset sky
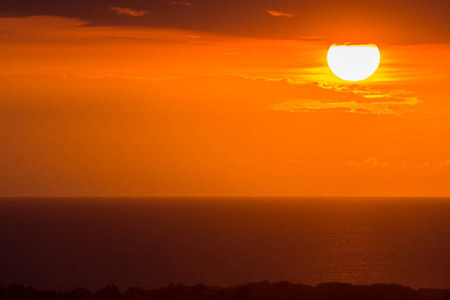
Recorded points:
(222,98)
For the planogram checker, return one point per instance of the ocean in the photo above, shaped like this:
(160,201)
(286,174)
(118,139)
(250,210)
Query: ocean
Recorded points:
(63,243)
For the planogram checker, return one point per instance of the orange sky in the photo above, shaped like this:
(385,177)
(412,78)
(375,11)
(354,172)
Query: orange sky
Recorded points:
(89,107)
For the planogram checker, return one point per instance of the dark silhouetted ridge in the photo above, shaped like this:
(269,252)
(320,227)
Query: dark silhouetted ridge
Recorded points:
(252,291)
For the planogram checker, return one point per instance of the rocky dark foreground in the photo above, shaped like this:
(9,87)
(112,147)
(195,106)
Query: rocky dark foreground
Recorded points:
(251,291)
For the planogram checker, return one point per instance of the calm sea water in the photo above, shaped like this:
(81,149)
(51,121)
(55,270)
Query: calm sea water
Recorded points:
(65,243)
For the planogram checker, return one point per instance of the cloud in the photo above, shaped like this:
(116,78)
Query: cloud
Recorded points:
(183,3)
(370,162)
(129,11)
(352,106)
(432,27)
(355,99)
(279,14)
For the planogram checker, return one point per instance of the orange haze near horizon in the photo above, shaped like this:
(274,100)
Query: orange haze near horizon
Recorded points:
(105,109)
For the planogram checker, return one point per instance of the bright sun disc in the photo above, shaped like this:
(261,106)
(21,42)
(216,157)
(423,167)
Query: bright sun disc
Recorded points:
(353,62)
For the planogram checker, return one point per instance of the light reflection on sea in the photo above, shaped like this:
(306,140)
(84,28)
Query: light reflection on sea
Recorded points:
(64,243)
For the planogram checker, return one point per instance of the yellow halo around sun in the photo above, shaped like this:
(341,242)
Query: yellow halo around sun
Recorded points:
(353,62)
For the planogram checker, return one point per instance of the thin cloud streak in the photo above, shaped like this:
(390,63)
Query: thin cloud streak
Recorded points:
(129,11)
(184,3)
(279,14)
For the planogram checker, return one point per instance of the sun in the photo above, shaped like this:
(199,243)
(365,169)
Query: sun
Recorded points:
(353,62)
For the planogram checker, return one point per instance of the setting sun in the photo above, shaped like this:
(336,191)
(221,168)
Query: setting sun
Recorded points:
(353,62)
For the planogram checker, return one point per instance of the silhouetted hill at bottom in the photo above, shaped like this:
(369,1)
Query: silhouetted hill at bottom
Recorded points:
(251,291)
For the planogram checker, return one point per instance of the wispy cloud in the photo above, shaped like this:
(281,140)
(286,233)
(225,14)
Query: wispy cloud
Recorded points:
(128,11)
(354,99)
(307,105)
(279,14)
(370,162)
(183,3)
